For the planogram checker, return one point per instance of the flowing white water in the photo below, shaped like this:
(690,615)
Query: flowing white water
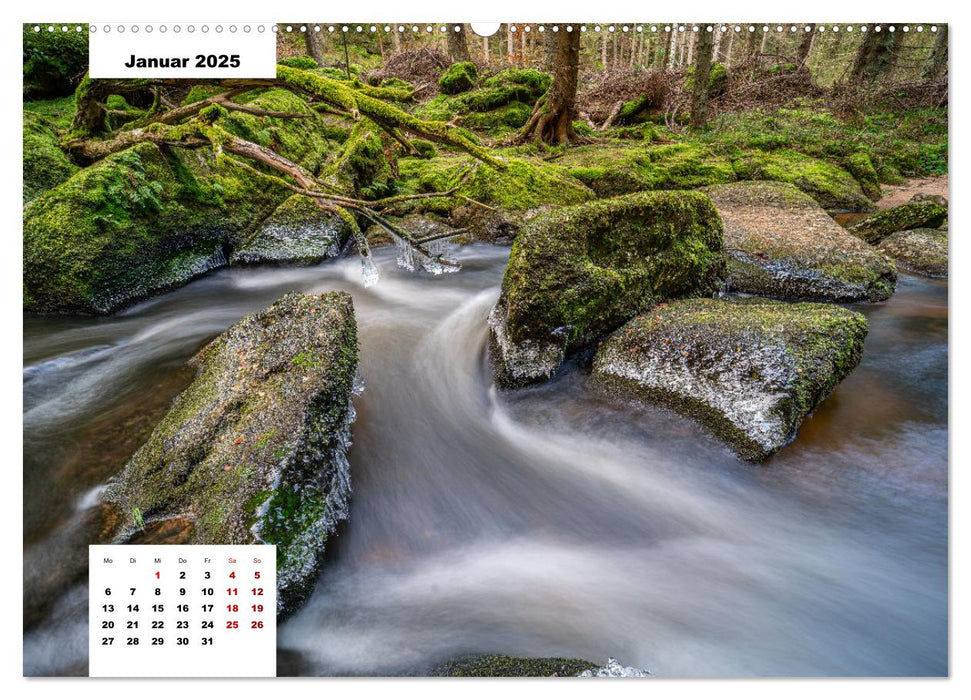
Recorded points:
(553,520)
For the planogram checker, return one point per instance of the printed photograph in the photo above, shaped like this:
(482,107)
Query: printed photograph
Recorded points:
(601,349)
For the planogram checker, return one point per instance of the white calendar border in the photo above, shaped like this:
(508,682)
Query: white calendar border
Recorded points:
(492,10)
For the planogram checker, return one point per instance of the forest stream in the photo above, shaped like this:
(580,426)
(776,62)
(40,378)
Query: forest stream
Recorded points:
(548,521)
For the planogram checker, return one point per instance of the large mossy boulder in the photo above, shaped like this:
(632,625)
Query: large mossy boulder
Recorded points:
(922,251)
(134,224)
(253,451)
(45,164)
(298,232)
(577,273)
(458,77)
(749,369)
(780,243)
(912,215)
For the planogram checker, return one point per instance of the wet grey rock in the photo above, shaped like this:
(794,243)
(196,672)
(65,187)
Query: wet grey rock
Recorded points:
(253,451)
(749,369)
(780,243)
(296,233)
(922,251)
(904,217)
(938,199)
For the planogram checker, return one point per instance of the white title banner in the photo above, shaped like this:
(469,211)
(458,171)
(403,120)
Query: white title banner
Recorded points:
(183,50)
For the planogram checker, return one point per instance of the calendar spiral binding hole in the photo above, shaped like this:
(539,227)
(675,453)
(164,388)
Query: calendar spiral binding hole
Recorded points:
(443,28)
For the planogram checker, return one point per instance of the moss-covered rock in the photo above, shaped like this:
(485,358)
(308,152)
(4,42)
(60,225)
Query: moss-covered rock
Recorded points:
(749,369)
(297,232)
(45,164)
(513,195)
(363,164)
(780,243)
(253,451)
(496,666)
(148,219)
(507,87)
(614,170)
(458,77)
(922,251)
(828,184)
(877,226)
(137,223)
(861,168)
(577,273)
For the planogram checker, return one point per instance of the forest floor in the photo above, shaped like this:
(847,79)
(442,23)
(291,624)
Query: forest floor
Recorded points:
(900,194)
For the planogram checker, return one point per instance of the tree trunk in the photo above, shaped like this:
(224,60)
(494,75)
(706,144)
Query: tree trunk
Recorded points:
(719,35)
(458,49)
(613,48)
(936,64)
(699,92)
(313,45)
(763,46)
(603,49)
(876,55)
(672,46)
(805,46)
(751,47)
(553,115)
(728,48)
(510,46)
(485,50)
(549,49)
(396,38)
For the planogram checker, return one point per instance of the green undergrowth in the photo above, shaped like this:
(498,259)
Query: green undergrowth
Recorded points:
(910,143)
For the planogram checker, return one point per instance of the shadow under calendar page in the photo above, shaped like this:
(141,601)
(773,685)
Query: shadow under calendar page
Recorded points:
(603,349)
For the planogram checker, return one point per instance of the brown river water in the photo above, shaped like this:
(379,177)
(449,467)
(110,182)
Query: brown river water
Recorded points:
(550,521)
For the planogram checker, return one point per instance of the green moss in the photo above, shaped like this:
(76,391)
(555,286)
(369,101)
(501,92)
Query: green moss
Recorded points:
(458,77)
(137,222)
(494,666)
(201,92)
(397,84)
(521,185)
(45,164)
(54,61)
(537,81)
(363,165)
(613,170)
(831,186)
(912,142)
(912,215)
(717,80)
(861,168)
(512,116)
(301,62)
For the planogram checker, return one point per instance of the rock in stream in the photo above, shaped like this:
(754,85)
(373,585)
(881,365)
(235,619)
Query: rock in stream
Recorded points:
(254,449)
(749,369)
(577,273)
(780,243)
